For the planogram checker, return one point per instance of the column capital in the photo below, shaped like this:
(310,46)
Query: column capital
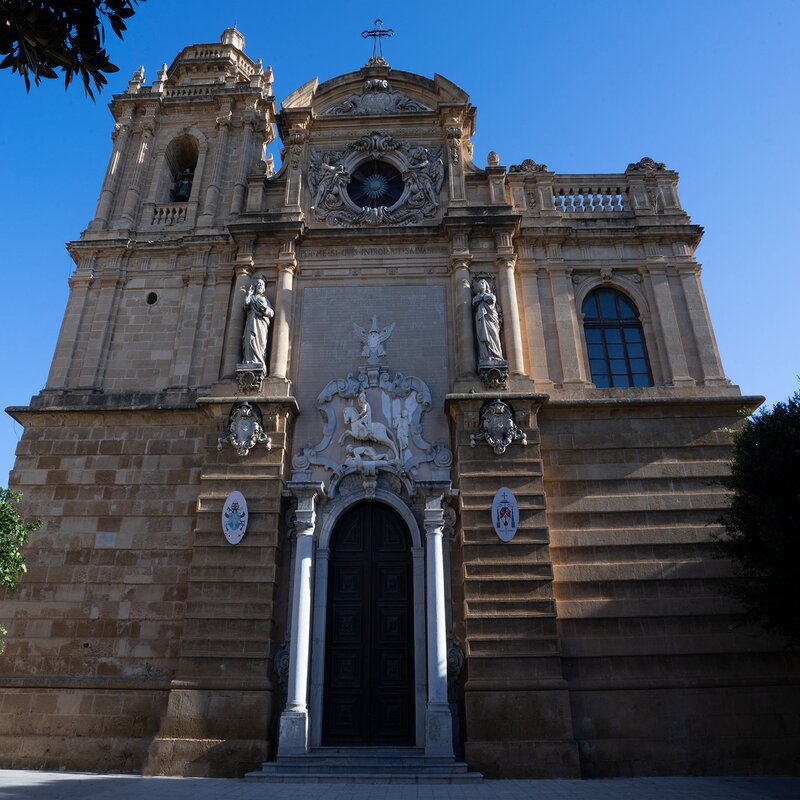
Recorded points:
(458,262)
(306,494)
(508,260)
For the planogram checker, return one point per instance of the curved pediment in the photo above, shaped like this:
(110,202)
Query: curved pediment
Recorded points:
(375,91)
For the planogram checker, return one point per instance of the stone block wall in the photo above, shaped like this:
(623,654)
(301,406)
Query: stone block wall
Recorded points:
(95,625)
(139,638)
(516,703)
(661,679)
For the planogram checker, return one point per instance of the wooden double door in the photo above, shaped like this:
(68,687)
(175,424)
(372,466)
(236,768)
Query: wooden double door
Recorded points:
(369,652)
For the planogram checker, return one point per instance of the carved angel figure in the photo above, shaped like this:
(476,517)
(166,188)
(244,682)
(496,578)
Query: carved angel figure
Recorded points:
(329,180)
(373,340)
(424,178)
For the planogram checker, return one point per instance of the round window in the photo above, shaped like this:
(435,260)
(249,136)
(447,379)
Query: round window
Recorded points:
(374,184)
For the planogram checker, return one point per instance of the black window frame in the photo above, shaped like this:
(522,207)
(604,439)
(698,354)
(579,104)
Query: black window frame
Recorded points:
(615,343)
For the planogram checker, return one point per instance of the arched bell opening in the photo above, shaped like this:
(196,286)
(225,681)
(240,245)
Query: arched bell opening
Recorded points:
(181,159)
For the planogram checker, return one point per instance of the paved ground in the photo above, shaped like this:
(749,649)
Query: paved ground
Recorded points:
(30,785)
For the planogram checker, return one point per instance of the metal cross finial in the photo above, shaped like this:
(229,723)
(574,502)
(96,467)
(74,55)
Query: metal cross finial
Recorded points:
(376,34)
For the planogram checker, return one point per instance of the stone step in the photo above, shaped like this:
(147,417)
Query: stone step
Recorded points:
(379,778)
(365,765)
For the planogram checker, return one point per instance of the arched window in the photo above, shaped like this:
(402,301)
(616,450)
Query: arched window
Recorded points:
(617,353)
(181,157)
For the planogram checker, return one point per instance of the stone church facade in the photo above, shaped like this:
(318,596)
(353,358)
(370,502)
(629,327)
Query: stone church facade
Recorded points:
(368,344)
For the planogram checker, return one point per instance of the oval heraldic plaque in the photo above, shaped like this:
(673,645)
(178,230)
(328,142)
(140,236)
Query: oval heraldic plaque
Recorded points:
(505,514)
(234,517)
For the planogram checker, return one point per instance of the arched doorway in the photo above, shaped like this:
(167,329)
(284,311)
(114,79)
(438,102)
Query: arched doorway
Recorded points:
(369,653)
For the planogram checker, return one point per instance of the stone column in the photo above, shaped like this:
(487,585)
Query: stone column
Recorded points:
(512,330)
(120,136)
(243,268)
(668,325)
(438,721)
(707,350)
(284,301)
(211,203)
(133,194)
(293,729)
(245,161)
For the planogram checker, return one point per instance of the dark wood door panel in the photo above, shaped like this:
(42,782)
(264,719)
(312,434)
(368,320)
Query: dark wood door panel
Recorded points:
(369,678)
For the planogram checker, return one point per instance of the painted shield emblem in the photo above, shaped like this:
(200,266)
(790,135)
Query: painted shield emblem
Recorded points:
(234,517)
(505,514)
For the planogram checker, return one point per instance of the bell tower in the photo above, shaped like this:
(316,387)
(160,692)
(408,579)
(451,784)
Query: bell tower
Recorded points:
(155,264)
(184,146)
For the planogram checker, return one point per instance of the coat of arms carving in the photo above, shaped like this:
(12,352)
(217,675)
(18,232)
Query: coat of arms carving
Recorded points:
(497,427)
(245,429)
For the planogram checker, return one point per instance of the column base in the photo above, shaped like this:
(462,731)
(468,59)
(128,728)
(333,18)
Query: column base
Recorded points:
(293,733)
(438,731)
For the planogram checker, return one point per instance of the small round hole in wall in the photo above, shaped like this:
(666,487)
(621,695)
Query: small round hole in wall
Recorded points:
(152,298)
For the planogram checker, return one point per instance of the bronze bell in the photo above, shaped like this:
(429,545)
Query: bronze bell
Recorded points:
(183,185)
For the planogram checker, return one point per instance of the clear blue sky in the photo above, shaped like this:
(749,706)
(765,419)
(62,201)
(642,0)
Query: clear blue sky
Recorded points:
(709,88)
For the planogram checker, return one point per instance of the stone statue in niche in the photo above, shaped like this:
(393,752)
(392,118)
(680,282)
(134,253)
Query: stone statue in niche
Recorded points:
(253,367)
(492,367)
(487,323)
(256,328)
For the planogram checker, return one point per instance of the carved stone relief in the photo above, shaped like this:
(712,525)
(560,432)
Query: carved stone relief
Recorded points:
(245,429)
(372,428)
(646,165)
(376,97)
(497,427)
(331,179)
(528,165)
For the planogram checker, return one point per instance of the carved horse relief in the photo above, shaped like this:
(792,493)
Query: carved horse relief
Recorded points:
(363,429)
(372,423)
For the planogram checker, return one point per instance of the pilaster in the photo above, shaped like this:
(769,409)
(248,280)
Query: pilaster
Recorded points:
(573,370)
(707,350)
(211,204)
(461,287)
(670,338)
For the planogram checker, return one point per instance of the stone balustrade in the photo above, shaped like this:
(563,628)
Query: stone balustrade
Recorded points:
(645,188)
(169,214)
(590,199)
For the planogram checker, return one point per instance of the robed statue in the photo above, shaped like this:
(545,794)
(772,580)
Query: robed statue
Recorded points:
(256,328)
(487,323)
